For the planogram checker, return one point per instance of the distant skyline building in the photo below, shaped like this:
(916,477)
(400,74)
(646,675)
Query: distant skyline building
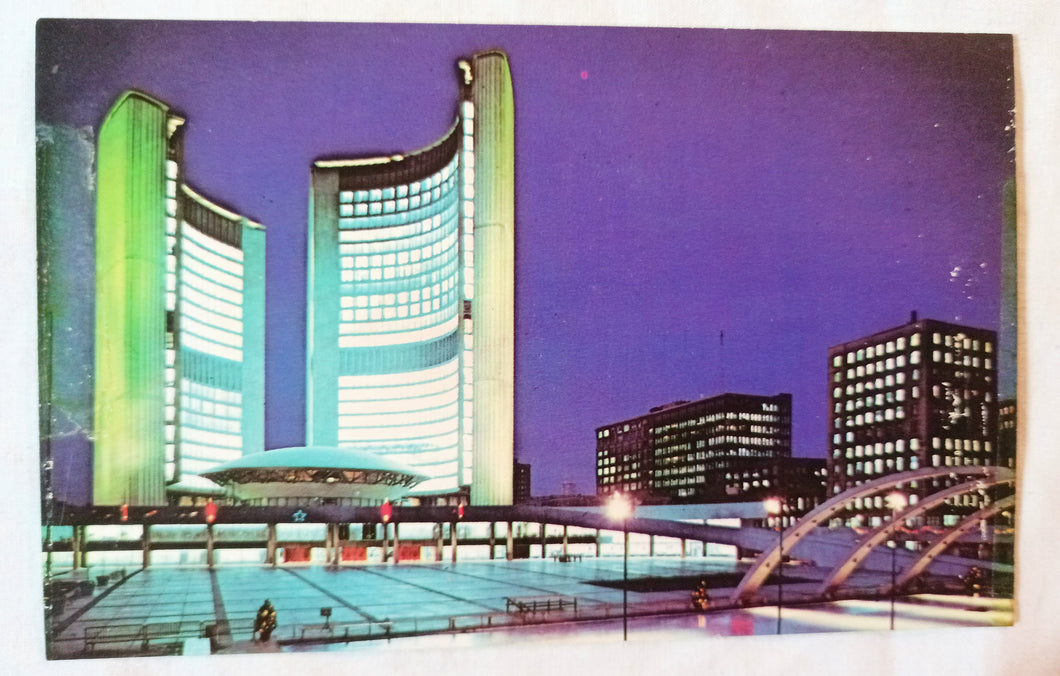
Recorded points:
(923,394)
(521,482)
(719,449)
(180,316)
(410,319)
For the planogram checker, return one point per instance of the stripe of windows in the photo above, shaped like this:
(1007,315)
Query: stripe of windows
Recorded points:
(398,198)
(467,367)
(171,413)
(468,199)
(171,260)
(398,226)
(172,172)
(426,460)
(425,433)
(203,459)
(400,419)
(423,377)
(396,336)
(441,484)
(402,396)
(419,302)
(367,262)
(210,244)
(208,271)
(214,260)
(371,405)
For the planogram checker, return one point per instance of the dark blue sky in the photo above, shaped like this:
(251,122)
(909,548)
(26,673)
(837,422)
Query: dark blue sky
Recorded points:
(792,189)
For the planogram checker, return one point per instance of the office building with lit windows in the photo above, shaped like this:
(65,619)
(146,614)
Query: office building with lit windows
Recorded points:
(179,335)
(923,394)
(720,449)
(410,314)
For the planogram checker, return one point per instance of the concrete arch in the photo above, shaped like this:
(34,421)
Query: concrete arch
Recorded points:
(843,570)
(969,523)
(768,559)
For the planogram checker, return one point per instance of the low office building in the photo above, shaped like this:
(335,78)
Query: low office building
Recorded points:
(720,449)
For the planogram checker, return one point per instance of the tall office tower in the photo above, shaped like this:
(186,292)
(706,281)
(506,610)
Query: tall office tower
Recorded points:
(410,299)
(180,314)
(719,449)
(923,394)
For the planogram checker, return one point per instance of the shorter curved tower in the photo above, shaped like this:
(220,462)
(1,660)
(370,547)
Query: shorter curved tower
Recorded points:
(180,314)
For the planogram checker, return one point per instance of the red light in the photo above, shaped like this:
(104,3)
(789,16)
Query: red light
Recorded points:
(210,511)
(125,512)
(386,511)
(460,511)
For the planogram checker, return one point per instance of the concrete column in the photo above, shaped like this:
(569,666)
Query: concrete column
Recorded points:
(270,544)
(683,543)
(397,543)
(597,543)
(209,545)
(386,540)
(439,541)
(147,546)
(509,552)
(338,544)
(327,543)
(452,537)
(78,545)
(564,541)
(544,539)
(493,539)
(651,545)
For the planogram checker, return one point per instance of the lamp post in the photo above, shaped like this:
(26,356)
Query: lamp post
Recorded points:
(620,508)
(896,501)
(774,507)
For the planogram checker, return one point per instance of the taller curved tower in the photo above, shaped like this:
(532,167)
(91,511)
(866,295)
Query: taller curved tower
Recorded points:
(410,299)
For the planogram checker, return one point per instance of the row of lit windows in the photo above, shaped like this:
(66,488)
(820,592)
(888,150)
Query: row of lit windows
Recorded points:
(444,248)
(209,407)
(210,422)
(373,300)
(215,319)
(191,326)
(396,205)
(190,232)
(351,429)
(406,418)
(960,341)
(206,392)
(195,459)
(875,400)
(219,262)
(198,267)
(211,303)
(871,417)
(965,360)
(402,378)
(193,280)
(413,188)
(382,247)
(210,347)
(890,380)
(405,404)
(397,333)
(375,314)
(207,437)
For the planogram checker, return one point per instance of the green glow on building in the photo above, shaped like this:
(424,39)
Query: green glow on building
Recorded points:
(179,363)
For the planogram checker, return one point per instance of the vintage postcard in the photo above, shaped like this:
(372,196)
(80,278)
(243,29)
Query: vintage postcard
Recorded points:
(355,335)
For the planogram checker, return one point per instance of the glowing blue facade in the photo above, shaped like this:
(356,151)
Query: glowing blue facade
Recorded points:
(393,320)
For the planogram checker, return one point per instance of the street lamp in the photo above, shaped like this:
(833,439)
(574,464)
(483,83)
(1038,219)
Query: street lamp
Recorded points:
(774,508)
(620,508)
(896,501)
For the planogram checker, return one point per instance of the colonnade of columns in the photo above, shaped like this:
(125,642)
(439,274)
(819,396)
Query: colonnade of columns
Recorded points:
(391,543)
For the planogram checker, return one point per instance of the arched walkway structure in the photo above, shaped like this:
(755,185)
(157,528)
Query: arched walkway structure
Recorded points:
(969,523)
(842,571)
(770,557)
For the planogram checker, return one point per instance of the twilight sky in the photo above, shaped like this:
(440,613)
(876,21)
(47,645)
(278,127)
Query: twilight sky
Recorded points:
(793,190)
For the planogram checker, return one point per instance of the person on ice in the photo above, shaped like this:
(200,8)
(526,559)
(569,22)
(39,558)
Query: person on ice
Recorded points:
(265,622)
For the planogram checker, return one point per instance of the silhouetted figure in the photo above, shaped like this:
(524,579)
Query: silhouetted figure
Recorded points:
(265,621)
(700,597)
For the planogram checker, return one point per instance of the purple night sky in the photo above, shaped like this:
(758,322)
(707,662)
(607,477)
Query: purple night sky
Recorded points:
(793,190)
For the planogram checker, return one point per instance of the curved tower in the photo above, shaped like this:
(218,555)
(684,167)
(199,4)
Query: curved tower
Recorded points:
(410,293)
(179,364)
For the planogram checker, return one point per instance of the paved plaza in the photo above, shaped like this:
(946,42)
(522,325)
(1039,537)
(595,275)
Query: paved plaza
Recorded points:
(172,610)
